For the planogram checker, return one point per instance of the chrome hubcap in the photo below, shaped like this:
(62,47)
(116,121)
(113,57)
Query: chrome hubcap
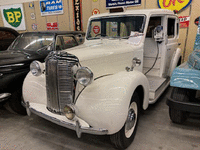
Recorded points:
(131,119)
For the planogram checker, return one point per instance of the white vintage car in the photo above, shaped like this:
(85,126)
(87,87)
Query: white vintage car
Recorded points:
(101,86)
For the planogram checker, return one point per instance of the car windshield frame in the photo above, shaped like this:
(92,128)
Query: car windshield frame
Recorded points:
(41,37)
(112,18)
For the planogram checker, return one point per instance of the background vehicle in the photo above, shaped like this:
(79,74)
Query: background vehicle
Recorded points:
(100,86)
(7,36)
(15,61)
(185,81)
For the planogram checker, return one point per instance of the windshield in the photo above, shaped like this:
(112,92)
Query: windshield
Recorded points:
(32,42)
(115,27)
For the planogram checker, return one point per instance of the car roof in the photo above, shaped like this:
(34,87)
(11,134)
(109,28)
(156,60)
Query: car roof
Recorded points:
(56,32)
(146,12)
(13,31)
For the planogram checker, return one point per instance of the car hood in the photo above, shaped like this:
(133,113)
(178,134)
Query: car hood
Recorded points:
(12,57)
(107,56)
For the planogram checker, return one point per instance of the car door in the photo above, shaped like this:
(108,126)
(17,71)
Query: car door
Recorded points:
(171,39)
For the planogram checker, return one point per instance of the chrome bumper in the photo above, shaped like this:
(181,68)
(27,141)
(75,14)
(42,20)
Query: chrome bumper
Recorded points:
(78,128)
(4,96)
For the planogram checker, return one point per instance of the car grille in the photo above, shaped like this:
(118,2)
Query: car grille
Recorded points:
(59,81)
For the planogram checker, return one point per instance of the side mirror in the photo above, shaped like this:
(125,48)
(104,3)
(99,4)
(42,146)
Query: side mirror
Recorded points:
(49,48)
(158,33)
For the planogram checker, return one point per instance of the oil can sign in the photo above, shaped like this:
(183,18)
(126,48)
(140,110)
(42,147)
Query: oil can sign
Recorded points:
(184,21)
(13,16)
(96,29)
(51,7)
(118,3)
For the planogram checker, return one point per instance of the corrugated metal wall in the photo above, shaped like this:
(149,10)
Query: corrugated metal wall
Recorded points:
(66,22)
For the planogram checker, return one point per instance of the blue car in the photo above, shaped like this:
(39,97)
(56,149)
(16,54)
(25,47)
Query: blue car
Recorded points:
(185,80)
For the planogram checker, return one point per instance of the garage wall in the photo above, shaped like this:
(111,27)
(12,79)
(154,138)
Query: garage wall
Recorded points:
(66,21)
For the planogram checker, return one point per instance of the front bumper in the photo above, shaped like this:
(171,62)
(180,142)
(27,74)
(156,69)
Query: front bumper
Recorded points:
(77,124)
(4,96)
(184,106)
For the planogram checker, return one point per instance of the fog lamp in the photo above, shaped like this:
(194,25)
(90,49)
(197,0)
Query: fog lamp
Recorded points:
(69,112)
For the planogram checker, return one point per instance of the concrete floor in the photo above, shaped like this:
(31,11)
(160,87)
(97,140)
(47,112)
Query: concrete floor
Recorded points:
(155,132)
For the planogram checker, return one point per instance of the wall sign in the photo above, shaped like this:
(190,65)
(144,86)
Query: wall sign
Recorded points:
(117,3)
(184,21)
(95,11)
(52,26)
(77,15)
(13,16)
(31,5)
(51,7)
(34,26)
(32,16)
(174,4)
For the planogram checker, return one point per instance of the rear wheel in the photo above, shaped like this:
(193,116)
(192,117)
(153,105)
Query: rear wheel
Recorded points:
(181,95)
(14,103)
(125,136)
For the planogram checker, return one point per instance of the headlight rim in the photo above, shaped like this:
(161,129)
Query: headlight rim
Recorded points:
(38,67)
(91,75)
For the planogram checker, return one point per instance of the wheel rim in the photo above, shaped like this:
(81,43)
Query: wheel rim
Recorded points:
(131,120)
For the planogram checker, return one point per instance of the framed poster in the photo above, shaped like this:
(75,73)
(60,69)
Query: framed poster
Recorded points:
(13,16)
(51,7)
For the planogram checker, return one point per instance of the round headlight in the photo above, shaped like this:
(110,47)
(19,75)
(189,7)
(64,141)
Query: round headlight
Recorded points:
(84,76)
(69,112)
(36,68)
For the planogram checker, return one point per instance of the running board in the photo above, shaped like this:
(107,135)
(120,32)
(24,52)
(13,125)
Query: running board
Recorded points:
(154,95)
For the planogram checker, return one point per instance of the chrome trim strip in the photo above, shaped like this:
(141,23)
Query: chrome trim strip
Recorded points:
(14,65)
(4,96)
(79,130)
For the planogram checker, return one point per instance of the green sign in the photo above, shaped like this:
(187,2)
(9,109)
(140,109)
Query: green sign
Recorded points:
(13,16)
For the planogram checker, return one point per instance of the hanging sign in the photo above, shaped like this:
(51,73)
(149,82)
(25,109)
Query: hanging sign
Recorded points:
(96,29)
(52,26)
(77,15)
(95,11)
(174,4)
(51,7)
(184,21)
(13,16)
(118,3)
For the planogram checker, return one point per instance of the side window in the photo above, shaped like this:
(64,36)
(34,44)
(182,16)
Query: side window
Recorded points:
(177,25)
(153,22)
(171,28)
(69,42)
(96,29)
(64,42)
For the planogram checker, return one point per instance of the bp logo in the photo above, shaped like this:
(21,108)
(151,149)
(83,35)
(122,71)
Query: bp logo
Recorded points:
(13,16)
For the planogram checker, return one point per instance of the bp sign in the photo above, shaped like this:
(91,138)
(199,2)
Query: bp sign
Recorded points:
(13,16)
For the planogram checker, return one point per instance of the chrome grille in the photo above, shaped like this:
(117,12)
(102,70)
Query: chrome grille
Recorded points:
(59,81)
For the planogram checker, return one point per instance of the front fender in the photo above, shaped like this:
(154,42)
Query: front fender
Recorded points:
(185,76)
(104,103)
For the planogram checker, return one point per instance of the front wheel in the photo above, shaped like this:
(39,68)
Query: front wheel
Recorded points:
(125,136)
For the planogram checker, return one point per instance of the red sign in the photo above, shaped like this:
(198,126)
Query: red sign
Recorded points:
(95,11)
(184,21)
(96,29)
(52,26)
